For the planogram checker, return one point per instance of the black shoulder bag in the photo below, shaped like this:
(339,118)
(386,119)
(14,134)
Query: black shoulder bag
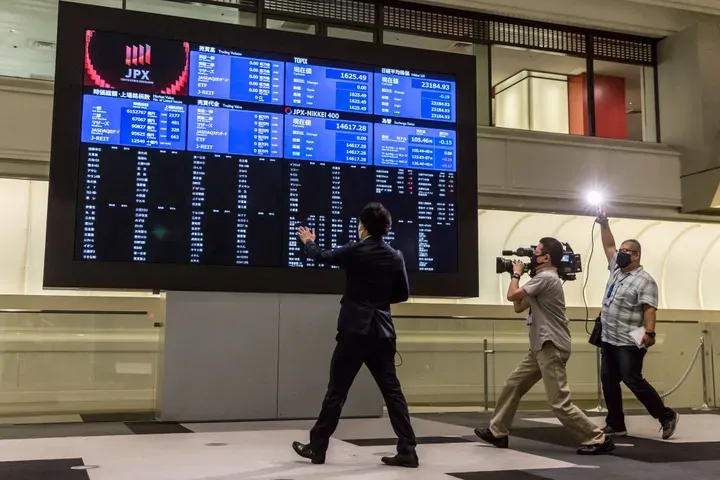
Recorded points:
(596,335)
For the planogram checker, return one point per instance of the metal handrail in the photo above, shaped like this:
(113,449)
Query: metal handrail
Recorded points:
(519,319)
(73,312)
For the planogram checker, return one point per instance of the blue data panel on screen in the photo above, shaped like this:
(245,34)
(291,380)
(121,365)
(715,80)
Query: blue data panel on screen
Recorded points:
(235,77)
(328,140)
(329,88)
(113,120)
(240,132)
(409,96)
(415,147)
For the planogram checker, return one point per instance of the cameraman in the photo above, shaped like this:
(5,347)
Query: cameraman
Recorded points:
(549,352)
(630,302)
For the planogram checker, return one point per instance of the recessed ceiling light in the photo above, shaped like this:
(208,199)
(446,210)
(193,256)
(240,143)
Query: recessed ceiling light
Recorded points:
(12,30)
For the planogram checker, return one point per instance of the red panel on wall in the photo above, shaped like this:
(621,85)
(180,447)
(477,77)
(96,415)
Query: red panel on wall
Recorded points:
(610,114)
(577,103)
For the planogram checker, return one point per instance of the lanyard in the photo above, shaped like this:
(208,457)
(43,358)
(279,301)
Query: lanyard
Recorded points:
(612,290)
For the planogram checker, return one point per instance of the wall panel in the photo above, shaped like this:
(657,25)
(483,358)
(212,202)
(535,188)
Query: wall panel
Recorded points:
(515,163)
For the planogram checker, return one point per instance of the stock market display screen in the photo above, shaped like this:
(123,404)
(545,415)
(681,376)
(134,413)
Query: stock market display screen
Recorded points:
(200,154)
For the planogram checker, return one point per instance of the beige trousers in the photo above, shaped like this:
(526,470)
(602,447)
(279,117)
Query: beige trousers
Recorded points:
(549,365)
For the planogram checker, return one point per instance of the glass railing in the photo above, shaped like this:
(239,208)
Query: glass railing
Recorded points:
(447,359)
(82,362)
(68,361)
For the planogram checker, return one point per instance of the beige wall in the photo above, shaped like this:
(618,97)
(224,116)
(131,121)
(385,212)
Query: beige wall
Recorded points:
(443,361)
(59,363)
(516,167)
(683,257)
(25,126)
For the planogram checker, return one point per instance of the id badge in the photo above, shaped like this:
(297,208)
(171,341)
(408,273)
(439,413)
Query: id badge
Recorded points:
(529,319)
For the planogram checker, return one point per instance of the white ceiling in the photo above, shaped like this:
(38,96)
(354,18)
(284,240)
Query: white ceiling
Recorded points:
(704,6)
(640,17)
(28,31)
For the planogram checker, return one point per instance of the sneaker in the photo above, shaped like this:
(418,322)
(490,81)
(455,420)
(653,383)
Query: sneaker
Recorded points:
(487,436)
(669,426)
(598,448)
(407,460)
(614,432)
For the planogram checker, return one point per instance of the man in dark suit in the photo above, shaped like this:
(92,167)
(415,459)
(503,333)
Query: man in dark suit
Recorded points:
(375,277)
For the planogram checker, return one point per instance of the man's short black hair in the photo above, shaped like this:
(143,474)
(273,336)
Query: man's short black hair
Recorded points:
(634,245)
(552,247)
(376,219)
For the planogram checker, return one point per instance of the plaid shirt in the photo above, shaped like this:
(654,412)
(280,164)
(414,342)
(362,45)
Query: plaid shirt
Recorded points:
(622,306)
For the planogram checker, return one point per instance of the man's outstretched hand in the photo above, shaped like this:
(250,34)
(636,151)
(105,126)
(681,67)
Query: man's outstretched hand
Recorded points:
(602,218)
(306,235)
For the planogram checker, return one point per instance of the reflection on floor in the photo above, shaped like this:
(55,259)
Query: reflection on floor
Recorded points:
(539,448)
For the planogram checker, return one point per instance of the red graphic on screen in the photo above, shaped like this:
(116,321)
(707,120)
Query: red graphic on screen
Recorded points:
(145,65)
(137,55)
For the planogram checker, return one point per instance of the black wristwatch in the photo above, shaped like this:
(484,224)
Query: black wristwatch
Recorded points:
(516,275)
(650,334)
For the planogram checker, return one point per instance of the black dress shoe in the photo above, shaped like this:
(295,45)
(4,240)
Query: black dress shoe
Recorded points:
(614,432)
(487,436)
(407,460)
(306,451)
(669,426)
(597,448)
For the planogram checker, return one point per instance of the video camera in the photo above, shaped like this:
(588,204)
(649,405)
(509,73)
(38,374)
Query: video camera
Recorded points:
(570,265)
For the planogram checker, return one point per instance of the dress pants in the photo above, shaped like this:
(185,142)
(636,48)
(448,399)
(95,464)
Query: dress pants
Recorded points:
(378,354)
(547,364)
(624,364)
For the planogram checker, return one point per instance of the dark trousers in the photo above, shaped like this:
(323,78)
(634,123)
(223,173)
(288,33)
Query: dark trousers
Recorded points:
(378,354)
(624,364)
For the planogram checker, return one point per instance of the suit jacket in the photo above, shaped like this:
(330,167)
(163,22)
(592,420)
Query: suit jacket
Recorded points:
(375,277)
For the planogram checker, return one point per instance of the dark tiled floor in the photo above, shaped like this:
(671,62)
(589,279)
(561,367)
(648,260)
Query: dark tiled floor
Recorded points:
(635,458)
(643,450)
(118,417)
(382,442)
(156,428)
(505,475)
(54,430)
(43,470)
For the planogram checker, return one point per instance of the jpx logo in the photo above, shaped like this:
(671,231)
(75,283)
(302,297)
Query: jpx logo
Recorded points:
(301,61)
(137,55)
(137,74)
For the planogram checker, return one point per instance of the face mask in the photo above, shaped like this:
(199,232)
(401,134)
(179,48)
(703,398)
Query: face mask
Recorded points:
(534,261)
(623,259)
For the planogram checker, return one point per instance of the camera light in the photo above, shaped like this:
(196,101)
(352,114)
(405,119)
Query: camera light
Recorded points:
(595,198)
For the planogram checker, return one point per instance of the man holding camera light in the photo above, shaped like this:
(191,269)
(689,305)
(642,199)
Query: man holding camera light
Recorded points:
(549,352)
(629,304)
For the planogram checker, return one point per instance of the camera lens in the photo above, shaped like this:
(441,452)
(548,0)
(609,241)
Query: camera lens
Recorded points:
(503,265)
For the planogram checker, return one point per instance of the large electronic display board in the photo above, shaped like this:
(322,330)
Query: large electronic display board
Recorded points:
(185,157)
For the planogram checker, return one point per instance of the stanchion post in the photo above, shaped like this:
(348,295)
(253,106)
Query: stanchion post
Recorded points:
(486,352)
(598,364)
(598,359)
(712,372)
(705,406)
(704,372)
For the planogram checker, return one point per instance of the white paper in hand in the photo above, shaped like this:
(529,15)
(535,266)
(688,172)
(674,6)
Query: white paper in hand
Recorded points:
(637,335)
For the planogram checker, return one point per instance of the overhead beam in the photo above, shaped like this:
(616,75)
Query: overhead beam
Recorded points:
(638,17)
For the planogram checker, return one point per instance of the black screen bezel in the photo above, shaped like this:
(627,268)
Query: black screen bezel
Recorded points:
(62,271)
